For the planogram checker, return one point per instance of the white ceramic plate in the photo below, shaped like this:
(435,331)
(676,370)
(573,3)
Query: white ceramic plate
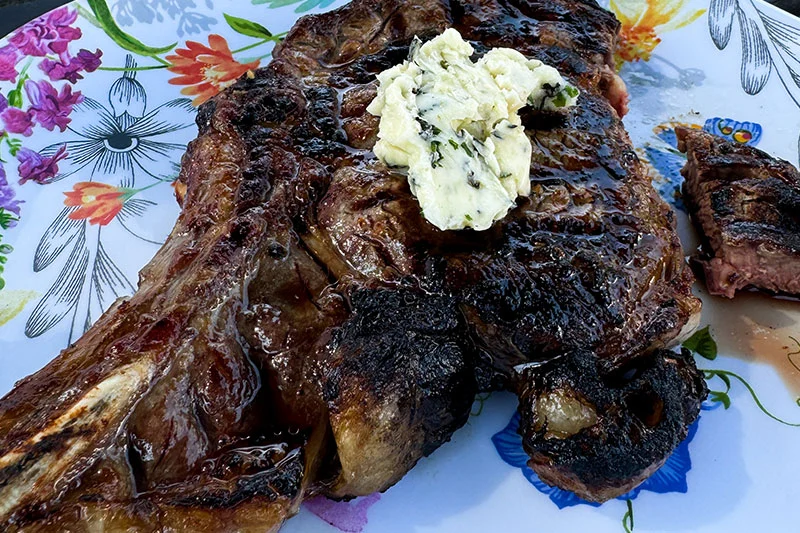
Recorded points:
(91,149)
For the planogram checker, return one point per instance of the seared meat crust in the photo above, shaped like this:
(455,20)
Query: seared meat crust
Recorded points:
(401,366)
(643,413)
(304,330)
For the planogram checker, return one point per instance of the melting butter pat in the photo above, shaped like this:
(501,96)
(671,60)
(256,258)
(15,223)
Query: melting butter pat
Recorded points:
(455,125)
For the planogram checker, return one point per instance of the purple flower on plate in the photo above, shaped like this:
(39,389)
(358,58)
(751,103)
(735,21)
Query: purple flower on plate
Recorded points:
(41,169)
(349,517)
(7,196)
(49,107)
(18,121)
(71,68)
(50,33)
(671,477)
(8,63)
(15,120)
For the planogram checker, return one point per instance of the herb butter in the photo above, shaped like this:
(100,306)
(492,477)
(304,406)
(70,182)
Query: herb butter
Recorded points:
(455,125)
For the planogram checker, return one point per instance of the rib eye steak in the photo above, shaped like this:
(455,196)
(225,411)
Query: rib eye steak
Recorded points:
(304,330)
(746,206)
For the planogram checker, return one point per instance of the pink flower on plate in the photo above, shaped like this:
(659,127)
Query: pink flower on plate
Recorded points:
(49,107)
(15,120)
(36,167)
(8,63)
(348,517)
(18,121)
(70,69)
(50,33)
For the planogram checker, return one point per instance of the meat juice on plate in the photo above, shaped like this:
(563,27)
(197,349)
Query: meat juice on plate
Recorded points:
(760,328)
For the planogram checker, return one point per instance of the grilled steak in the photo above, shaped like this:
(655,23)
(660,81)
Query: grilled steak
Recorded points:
(746,204)
(305,330)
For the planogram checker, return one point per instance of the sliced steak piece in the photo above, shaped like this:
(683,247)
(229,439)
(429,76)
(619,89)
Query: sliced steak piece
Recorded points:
(746,205)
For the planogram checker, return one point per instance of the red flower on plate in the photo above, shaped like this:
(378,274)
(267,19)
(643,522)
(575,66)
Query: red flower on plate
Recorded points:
(206,69)
(98,202)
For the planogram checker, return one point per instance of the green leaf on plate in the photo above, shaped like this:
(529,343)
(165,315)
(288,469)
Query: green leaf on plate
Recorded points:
(15,95)
(247,27)
(13,302)
(6,218)
(721,397)
(124,40)
(627,518)
(15,98)
(14,146)
(702,343)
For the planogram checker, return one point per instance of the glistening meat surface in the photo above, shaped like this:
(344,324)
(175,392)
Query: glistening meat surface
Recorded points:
(304,330)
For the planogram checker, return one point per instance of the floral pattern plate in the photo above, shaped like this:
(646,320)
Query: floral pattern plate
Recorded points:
(97,103)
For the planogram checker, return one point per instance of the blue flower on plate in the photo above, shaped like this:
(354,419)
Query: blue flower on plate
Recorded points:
(668,164)
(668,161)
(148,11)
(669,478)
(711,405)
(665,158)
(302,8)
(733,130)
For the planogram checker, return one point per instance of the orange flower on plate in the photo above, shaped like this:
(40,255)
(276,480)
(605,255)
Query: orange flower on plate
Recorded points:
(98,202)
(206,69)
(642,22)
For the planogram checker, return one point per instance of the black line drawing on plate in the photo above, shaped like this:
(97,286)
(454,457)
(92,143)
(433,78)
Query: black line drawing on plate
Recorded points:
(767,44)
(122,142)
(124,139)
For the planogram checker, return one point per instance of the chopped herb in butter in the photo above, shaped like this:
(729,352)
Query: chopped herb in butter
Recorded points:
(454,124)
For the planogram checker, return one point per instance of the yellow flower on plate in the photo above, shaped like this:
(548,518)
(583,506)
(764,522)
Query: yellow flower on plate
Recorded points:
(13,302)
(642,22)
(671,126)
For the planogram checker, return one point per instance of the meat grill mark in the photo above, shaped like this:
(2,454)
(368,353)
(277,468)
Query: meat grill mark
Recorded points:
(304,307)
